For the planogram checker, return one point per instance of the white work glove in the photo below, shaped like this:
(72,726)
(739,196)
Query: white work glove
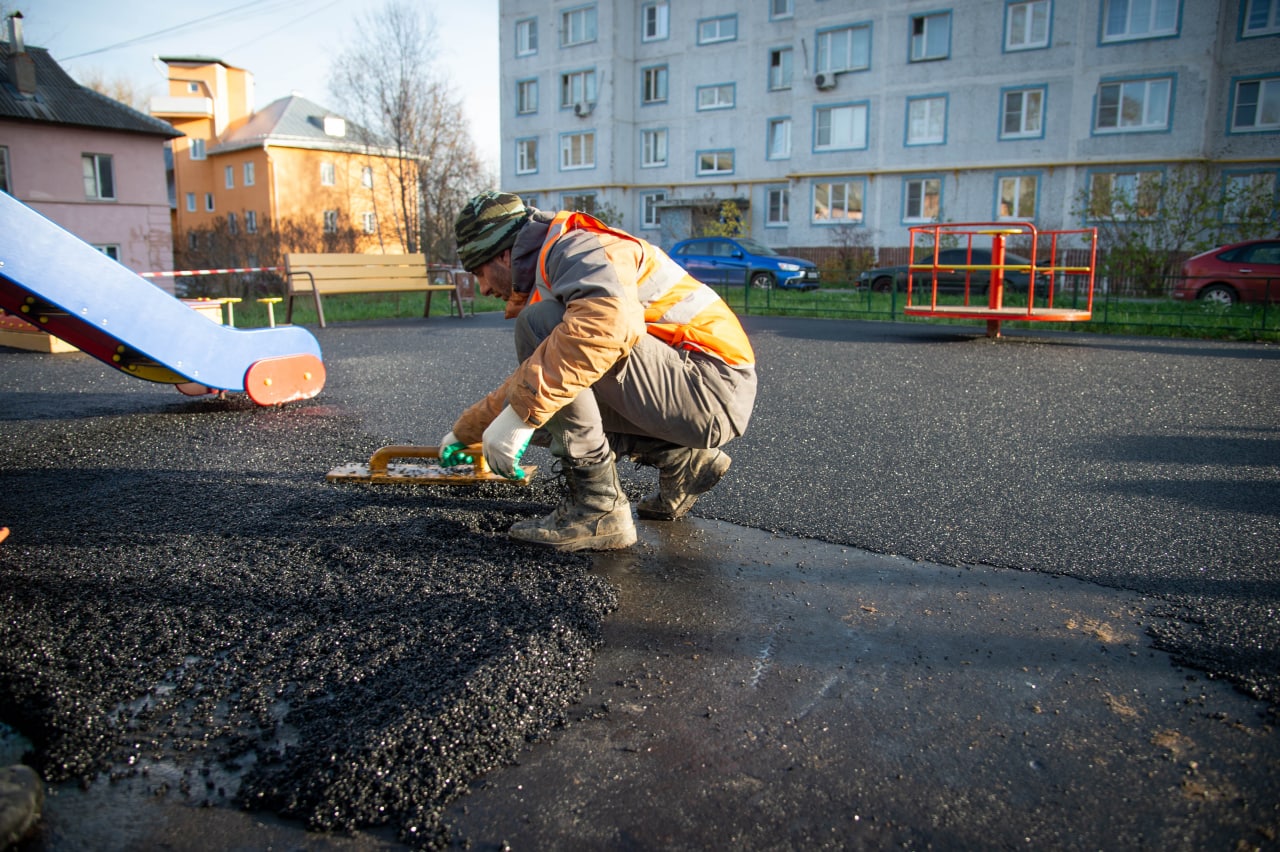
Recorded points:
(452,451)
(505,441)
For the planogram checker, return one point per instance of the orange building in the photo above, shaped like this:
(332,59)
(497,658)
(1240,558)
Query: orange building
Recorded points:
(292,160)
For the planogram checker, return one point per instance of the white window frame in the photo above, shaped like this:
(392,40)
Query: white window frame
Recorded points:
(1260,18)
(1238,187)
(650,213)
(366,177)
(1015,189)
(249,175)
(844,49)
(1132,184)
(209,205)
(1155,97)
(197,150)
(654,149)
(330,219)
(781,9)
(930,37)
(777,207)
(838,195)
(716,96)
(578,26)
(1136,29)
(583,201)
(527,156)
(191,202)
(111,250)
(527,96)
(655,84)
(251,222)
(370,222)
(826,123)
(233,223)
(526,37)
(1027,25)
(718,30)
(328,174)
(781,64)
(1265,107)
(577,86)
(655,21)
(577,151)
(916,192)
(926,120)
(778,140)
(1027,104)
(715,163)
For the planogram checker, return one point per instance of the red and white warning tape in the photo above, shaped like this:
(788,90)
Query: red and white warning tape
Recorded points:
(209,271)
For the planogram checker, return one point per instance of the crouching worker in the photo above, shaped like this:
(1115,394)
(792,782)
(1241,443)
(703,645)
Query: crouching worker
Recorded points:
(622,354)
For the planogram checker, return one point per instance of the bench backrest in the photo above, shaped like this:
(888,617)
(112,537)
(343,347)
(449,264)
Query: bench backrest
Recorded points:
(356,273)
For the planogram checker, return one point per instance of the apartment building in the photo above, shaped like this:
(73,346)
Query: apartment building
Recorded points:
(822,117)
(293,160)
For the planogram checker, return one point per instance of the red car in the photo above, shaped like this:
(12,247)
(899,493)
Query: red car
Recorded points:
(1242,272)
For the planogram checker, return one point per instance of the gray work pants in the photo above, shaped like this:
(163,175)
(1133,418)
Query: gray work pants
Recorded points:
(683,398)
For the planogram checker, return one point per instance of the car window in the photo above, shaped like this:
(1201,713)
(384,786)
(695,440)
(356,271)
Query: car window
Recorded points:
(722,249)
(699,247)
(756,248)
(1261,253)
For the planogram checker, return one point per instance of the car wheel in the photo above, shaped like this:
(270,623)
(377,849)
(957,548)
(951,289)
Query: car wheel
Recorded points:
(1218,294)
(761,280)
(883,284)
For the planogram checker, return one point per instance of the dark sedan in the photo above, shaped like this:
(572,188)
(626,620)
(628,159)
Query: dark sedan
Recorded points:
(950,278)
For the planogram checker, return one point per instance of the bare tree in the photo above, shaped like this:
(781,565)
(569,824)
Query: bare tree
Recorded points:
(386,83)
(117,88)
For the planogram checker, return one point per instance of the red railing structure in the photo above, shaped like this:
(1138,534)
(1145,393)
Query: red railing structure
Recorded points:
(1045,280)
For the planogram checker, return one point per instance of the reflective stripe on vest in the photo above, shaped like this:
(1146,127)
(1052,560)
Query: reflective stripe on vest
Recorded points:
(678,309)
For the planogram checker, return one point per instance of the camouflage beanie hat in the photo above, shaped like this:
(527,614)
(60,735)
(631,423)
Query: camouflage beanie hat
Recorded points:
(487,226)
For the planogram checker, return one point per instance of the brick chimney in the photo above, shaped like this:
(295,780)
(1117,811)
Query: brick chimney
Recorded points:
(22,68)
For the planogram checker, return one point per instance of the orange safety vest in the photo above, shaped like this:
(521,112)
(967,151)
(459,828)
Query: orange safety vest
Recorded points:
(678,309)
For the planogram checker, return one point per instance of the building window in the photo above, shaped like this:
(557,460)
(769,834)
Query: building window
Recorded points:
(840,128)
(719,96)
(653,149)
(780,69)
(1256,106)
(655,21)
(584,202)
(837,203)
(197,149)
(251,222)
(370,222)
(927,121)
(1026,25)
(1022,114)
(1124,195)
(110,250)
(781,9)
(578,26)
(777,207)
(208,202)
(655,85)
(526,37)
(366,177)
(328,177)
(1134,105)
(1017,197)
(844,49)
(99,177)
(526,97)
(191,202)
(577,151)
(1248,196)
(331,221)
(248,173)
(233,224)
(526,156)
(713,30)
(577,87)
(779,142)
(922,200)
(930,37)
(1126,20)
(4,169)
(712,163)
(1261,18)
(650,212)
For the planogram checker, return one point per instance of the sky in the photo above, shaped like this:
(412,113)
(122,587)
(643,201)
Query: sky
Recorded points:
(286,44)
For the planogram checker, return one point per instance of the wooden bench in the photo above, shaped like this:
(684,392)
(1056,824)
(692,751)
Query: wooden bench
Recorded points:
(333,274)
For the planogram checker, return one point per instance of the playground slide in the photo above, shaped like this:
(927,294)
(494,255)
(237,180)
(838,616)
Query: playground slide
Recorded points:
(62,285)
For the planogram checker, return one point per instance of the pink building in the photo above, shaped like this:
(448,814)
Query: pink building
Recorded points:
(89,163)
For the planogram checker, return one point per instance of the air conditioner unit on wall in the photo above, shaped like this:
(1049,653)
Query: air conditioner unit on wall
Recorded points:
(582,109)
(825,80)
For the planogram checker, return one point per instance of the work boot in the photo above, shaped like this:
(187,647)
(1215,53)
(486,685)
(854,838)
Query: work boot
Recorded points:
(683,474)
(594,514)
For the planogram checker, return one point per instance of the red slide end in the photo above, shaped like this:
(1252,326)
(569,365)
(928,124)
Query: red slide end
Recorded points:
(288,378)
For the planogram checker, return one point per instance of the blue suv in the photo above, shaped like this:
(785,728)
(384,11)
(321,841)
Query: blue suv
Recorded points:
(722,260)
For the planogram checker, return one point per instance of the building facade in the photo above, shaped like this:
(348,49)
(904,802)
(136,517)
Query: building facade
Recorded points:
(827,121)
(91,164)
(292,163)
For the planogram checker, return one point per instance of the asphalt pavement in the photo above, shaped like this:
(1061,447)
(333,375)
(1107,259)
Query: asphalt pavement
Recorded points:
(953,593)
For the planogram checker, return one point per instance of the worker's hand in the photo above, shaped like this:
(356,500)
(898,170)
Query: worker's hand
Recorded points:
(505,441)
(453,452)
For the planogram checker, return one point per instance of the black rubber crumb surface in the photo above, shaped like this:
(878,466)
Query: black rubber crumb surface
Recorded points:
(221,619)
